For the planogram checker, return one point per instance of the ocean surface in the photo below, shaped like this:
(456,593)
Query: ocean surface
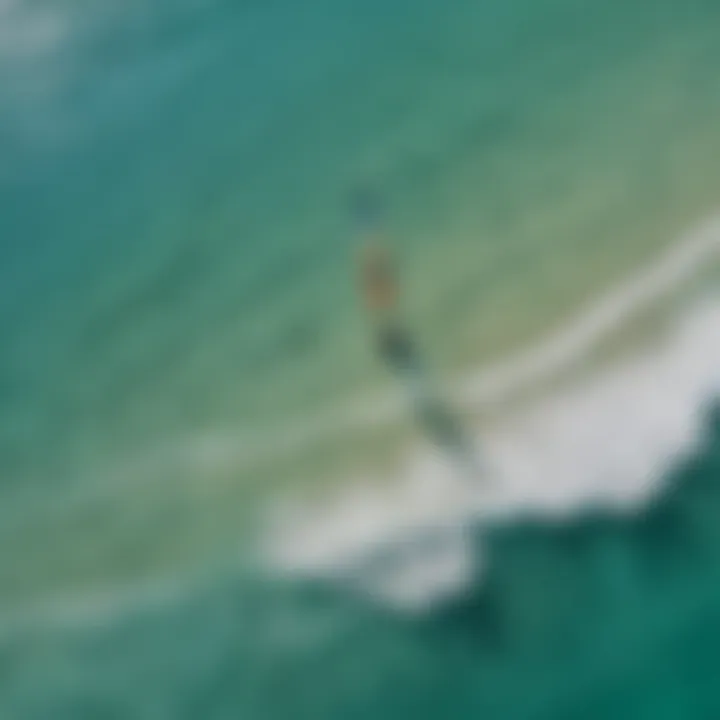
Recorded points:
(214,502)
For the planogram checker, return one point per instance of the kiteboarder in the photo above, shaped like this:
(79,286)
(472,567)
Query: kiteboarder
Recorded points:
(394,342)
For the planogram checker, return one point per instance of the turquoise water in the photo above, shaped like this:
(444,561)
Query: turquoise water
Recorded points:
(597,618)
(178,315)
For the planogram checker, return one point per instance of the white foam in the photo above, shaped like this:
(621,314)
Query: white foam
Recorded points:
(592,325)
(606,442)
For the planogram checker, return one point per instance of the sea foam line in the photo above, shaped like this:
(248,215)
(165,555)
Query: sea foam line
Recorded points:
(591,326)
(608,441)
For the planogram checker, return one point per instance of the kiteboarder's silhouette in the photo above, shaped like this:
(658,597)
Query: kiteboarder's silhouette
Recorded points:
(394,342)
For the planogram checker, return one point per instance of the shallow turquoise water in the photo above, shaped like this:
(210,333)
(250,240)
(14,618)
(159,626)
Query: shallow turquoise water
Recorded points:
(177,285)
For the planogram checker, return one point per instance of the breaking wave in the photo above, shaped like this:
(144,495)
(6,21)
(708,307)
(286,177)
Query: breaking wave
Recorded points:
(607,441)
